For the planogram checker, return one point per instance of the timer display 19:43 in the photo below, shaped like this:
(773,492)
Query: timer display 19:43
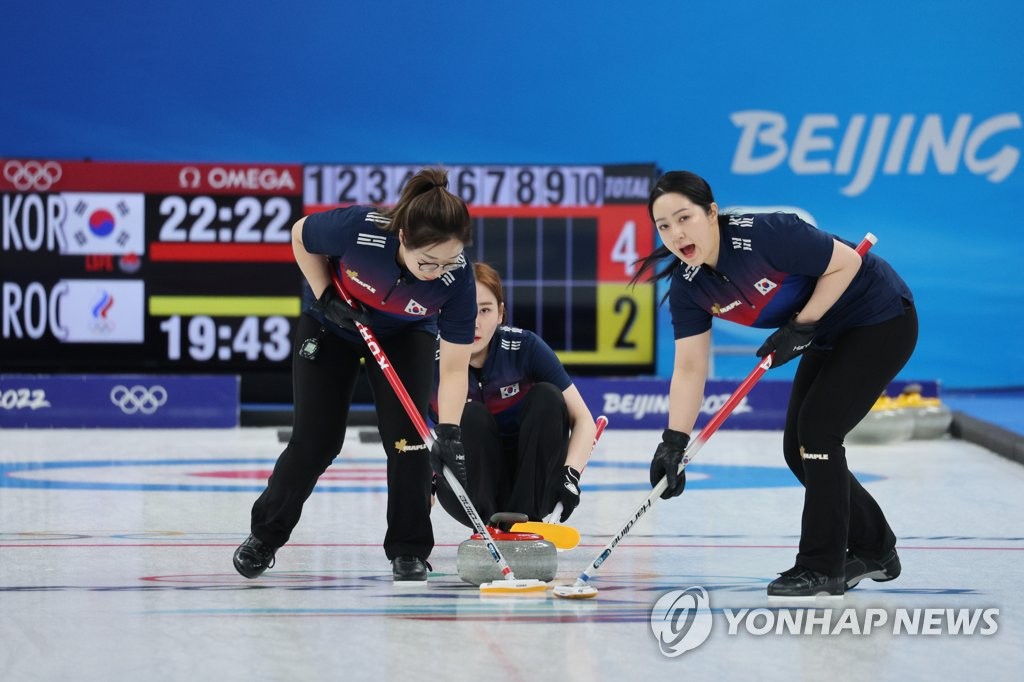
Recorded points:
(251,338)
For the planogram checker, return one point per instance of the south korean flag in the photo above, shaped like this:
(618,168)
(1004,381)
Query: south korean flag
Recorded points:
(764,286)
(414,308)
(103,223)
(507,392)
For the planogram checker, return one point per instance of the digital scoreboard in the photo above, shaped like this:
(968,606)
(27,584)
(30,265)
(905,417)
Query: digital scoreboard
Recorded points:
(172,267)
(565,240)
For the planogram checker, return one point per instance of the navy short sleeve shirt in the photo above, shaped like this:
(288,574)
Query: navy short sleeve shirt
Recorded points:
(517,360)
(365,256)
(768,266)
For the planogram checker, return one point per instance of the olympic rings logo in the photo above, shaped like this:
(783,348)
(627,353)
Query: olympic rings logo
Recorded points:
(32,174)
(138,398)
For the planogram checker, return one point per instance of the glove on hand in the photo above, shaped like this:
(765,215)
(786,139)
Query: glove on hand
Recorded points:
(787,342)
(666,462)
(565,488)
(447,451)
(335,310)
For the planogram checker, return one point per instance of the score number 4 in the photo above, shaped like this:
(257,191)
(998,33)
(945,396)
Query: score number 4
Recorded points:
(624,249)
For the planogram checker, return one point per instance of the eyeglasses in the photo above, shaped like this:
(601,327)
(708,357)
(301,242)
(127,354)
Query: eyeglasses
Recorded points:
(447,267)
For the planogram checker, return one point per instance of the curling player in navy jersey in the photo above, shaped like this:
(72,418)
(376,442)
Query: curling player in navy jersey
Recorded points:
(405,269)
(850,318)
(528,433)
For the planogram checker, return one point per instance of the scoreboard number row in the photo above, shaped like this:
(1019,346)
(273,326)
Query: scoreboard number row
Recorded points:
(477,185)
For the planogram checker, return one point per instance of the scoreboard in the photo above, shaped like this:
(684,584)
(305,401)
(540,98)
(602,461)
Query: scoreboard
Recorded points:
(564,238)
(171,267)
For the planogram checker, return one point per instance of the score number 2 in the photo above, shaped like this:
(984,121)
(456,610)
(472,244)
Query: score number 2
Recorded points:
(624,251)
(629,305)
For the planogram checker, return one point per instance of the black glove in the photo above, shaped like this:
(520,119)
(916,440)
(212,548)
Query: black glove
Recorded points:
(787,342)
(565,488)
(447,451)
(335,310)
(666,462)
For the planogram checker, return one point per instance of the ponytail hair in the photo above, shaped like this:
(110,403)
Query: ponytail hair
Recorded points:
(428,213)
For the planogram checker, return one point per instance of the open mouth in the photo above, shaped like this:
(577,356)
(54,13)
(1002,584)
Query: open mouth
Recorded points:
(689,250)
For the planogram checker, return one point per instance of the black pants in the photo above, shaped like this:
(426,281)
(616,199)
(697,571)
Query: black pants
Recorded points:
(511,473)
(323,395)
(832,391)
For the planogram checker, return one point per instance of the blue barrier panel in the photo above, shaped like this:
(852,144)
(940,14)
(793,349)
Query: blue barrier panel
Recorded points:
(118,401)
(642,403)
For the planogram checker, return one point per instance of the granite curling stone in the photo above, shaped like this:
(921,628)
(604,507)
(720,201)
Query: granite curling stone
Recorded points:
(528,555)
(932,419)
(887,422)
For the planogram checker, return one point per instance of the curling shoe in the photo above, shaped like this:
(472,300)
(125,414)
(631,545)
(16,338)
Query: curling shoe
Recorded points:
(409,570)
(880,570)
(253,557)
(803,582)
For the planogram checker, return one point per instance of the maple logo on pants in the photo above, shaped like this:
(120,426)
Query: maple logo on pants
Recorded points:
(403,446)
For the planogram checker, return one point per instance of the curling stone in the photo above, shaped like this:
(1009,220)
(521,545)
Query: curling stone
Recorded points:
(505,520)
(887,422)
(931,418)
(528,555)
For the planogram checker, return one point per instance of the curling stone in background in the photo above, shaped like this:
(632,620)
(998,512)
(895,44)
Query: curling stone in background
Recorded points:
(529,555)
(887,422)
(931,418)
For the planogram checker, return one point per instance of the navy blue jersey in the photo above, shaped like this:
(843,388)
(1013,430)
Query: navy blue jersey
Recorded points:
(366,258)
(517,359)
(768,266)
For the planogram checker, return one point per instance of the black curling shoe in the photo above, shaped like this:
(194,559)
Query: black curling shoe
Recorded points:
(253,557)
(803,582)
(880,570)
(409,569)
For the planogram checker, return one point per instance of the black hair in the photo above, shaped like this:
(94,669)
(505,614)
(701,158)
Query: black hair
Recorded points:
(693,187)
(428,213)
